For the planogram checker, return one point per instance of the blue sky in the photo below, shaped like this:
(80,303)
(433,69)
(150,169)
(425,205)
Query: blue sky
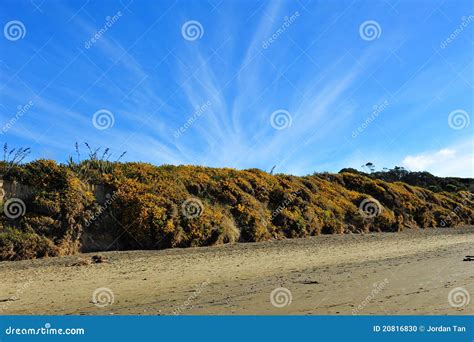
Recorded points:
(303,85)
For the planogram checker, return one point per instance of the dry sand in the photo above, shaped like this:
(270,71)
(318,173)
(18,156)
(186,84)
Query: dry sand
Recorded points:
(384,273)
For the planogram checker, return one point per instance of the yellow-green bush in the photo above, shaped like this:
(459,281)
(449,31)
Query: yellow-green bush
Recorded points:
(146,208)
(17,245)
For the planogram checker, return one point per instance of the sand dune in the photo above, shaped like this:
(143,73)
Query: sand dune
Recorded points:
(383,273)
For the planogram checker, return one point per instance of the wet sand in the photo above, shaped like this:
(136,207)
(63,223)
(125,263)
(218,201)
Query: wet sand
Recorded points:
(406,273)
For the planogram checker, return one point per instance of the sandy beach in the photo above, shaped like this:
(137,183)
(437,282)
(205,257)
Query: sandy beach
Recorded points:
(412,272)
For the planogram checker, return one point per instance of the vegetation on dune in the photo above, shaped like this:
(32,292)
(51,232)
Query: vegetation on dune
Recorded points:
(150,207)
(422,179)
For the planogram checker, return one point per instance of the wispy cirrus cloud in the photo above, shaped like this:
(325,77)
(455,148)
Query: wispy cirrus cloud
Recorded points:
(318,70)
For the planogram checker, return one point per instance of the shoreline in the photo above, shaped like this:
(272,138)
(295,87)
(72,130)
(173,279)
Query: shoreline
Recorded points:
(329,274)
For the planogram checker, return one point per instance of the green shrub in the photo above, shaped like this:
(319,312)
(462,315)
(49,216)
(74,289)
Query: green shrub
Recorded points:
(18,245)
(251,205)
